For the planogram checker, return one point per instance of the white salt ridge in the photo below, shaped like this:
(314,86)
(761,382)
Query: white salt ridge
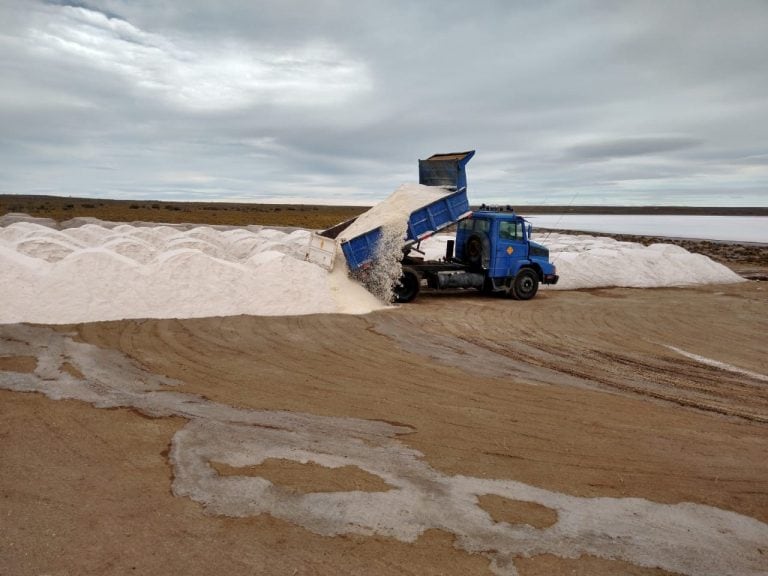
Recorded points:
(98,273)
(602,262)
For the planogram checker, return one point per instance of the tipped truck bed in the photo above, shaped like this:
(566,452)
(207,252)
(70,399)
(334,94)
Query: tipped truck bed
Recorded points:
(422,223)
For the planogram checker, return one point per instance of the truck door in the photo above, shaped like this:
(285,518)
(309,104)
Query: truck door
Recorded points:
(510,248)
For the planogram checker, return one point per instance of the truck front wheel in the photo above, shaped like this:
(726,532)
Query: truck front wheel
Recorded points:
(525,285)
(407,288)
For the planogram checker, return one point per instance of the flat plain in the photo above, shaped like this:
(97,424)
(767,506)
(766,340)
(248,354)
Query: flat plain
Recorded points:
(624,394)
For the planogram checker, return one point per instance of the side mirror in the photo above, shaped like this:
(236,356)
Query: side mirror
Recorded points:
(530,231)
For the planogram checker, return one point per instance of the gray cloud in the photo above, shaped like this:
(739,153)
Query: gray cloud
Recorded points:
(85,5)
(331,101)
(623,147)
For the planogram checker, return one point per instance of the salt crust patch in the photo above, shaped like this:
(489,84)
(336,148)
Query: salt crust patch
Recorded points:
(601,262)
(684,538)
(95,272)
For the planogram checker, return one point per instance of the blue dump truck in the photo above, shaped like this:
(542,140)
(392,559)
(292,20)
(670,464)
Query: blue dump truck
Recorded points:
(492,251)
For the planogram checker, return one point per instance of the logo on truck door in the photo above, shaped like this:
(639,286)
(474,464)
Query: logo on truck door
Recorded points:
(510,250)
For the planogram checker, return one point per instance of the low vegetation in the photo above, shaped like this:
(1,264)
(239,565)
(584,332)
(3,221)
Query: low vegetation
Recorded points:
(300,215)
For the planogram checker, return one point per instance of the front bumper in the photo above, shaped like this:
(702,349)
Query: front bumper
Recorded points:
(550,279)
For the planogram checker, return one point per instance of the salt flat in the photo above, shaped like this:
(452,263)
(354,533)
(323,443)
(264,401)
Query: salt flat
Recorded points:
(598,430)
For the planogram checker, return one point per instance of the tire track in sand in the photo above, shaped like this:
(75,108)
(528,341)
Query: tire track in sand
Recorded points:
(686,538)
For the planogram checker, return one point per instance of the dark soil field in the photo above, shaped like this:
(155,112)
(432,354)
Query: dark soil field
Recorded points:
(302,215)
(61,209)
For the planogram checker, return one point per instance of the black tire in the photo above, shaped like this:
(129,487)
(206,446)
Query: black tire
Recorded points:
(525,285)
(473,250)
(407,288)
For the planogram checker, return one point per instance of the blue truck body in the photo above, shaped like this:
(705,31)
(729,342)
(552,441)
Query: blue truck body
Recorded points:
(494,251)
(506,248)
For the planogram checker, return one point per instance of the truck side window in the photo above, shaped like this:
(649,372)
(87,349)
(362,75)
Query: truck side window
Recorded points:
(509,231)
(475,225)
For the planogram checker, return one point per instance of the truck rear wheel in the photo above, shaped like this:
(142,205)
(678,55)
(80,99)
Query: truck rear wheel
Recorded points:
(525,285)
(407,288)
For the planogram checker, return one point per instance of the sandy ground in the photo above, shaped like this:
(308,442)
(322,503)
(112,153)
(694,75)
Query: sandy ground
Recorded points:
(595,393)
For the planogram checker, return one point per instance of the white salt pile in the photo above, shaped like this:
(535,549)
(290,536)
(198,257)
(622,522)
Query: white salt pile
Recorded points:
(599,262)
(96,273)
(595,262)
(93,272)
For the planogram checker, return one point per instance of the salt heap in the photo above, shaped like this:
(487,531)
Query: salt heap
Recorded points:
(601,262)
(595,262)
(94,272)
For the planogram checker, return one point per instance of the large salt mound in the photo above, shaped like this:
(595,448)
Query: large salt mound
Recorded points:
(97,273)
(598,262)
(601,262)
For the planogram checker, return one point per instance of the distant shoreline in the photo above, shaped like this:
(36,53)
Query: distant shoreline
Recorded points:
(647,210)
(65,207)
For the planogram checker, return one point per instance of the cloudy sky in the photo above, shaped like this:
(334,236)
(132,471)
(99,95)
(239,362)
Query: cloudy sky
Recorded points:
(566,102)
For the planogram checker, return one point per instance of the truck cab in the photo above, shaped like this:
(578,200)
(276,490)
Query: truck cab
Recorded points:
(492,252)
(497,244)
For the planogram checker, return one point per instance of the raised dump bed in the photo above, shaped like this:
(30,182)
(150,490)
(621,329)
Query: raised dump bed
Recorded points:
(492,251)
(439,201)
(360,250)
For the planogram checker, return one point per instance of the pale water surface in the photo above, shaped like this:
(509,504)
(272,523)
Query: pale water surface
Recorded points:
(732,228)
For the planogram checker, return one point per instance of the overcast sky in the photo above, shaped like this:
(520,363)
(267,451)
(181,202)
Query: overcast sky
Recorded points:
(325,101)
